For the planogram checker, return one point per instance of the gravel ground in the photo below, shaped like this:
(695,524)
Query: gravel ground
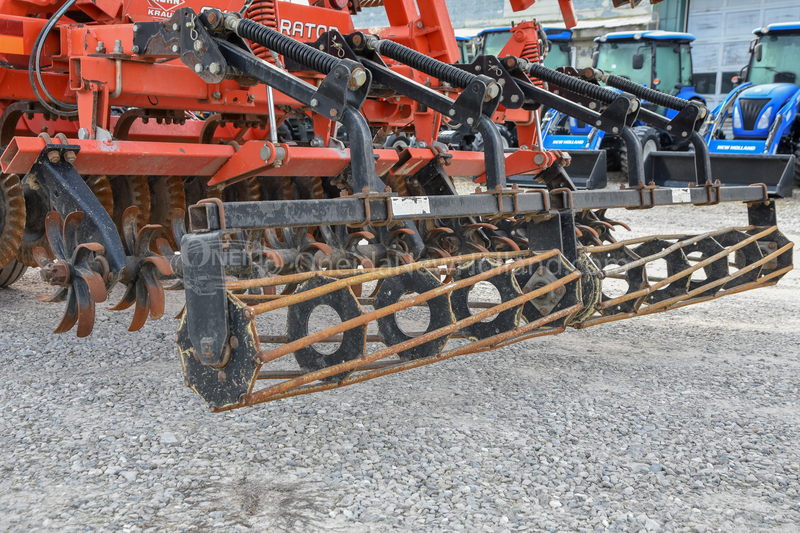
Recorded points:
(685,421)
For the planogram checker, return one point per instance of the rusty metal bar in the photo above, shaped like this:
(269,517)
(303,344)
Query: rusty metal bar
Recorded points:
(303,276)
(683,273)
(639,240)
(680,300)
(408,365)
(283,339)
(399,306)
(288,374)
(260,396)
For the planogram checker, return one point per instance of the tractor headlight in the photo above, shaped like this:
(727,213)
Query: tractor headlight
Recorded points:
(763,122)
(737,118)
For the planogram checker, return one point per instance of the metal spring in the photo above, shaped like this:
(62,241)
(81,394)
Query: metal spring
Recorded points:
(264,12)
(571,84)
(423,63)
(531,53)
(645,93)
(286,46)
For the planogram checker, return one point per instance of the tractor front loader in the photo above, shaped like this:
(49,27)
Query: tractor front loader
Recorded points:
(149,147)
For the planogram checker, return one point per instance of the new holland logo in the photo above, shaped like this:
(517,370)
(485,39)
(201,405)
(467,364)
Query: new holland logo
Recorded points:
(163,8)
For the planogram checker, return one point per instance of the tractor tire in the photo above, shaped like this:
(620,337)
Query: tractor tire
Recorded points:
(797,168)
(11,273)
(649,139)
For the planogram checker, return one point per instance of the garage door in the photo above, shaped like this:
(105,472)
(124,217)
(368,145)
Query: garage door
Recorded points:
(724,29)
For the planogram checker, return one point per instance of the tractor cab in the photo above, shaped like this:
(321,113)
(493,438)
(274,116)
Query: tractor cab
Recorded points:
(492,41)
(658,59)
(772,81)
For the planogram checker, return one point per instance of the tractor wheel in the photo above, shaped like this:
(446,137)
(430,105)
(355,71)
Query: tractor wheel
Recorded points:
(649,141)
(12,218)
(797,168)
(11,273)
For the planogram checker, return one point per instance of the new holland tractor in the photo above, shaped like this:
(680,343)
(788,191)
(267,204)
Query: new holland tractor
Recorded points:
(655,59)
(762,110)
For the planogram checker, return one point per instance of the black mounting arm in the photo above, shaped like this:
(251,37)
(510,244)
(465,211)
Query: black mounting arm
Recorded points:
(617,118)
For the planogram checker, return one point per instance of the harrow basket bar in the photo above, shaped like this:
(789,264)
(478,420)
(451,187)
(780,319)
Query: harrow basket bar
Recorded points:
(764,271)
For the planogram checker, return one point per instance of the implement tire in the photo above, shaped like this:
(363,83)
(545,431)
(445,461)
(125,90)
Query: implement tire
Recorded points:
(649,140)
(11,273)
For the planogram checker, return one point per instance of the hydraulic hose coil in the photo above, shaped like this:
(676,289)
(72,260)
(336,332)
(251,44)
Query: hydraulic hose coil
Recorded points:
(439,70)
(286,46)
(569,83)
(645,93)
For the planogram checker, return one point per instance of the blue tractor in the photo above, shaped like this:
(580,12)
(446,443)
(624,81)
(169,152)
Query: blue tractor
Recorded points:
(560,52)
(658,60)
(764,109)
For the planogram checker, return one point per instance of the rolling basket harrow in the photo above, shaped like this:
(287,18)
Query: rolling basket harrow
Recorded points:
(107,178)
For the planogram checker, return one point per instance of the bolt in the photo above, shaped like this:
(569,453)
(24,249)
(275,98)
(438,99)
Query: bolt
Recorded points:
(216,95)
(101,47)
(493,91)
(334,113)
(118,46)
(247,312)
(598,123)
(175,27)
(470,121)
(190,24)
(251,98)
(419,24)
(213,68)
(234,342)
(543,311)
(560,291)
(314,102)
(478,68)
(773,245)
(538,158)
(198,45)
(592,105)
(135,50)
(175,48)
(83,134)
(316,142)
(615,129)
(452,112)
(56,274)
(669,128)
(135,28)
(684,134)
(541,270)
(54,156)
(212,18)
(198,68)
(514,98)
(358,78)
(70,156)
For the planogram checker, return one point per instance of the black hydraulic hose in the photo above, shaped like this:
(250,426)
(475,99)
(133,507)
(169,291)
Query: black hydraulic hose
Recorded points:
(432,67)
(285,45)
(576,85)
(645,93)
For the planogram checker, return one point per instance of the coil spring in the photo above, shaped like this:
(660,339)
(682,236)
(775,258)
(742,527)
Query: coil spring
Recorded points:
(645,93)
(264,12)
(572,84)
(531,53)
(428,65)
(286,46)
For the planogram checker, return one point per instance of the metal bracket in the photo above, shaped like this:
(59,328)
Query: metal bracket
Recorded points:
(490,66)
(54,174)
(182,36)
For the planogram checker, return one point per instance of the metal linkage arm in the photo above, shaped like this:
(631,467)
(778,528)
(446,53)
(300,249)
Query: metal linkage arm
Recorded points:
(617,117)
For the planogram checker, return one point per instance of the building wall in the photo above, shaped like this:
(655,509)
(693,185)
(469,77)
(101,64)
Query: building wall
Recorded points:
(724,29)
(481,14)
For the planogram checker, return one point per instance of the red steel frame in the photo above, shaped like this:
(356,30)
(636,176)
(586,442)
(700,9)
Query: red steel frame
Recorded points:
(76,71)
